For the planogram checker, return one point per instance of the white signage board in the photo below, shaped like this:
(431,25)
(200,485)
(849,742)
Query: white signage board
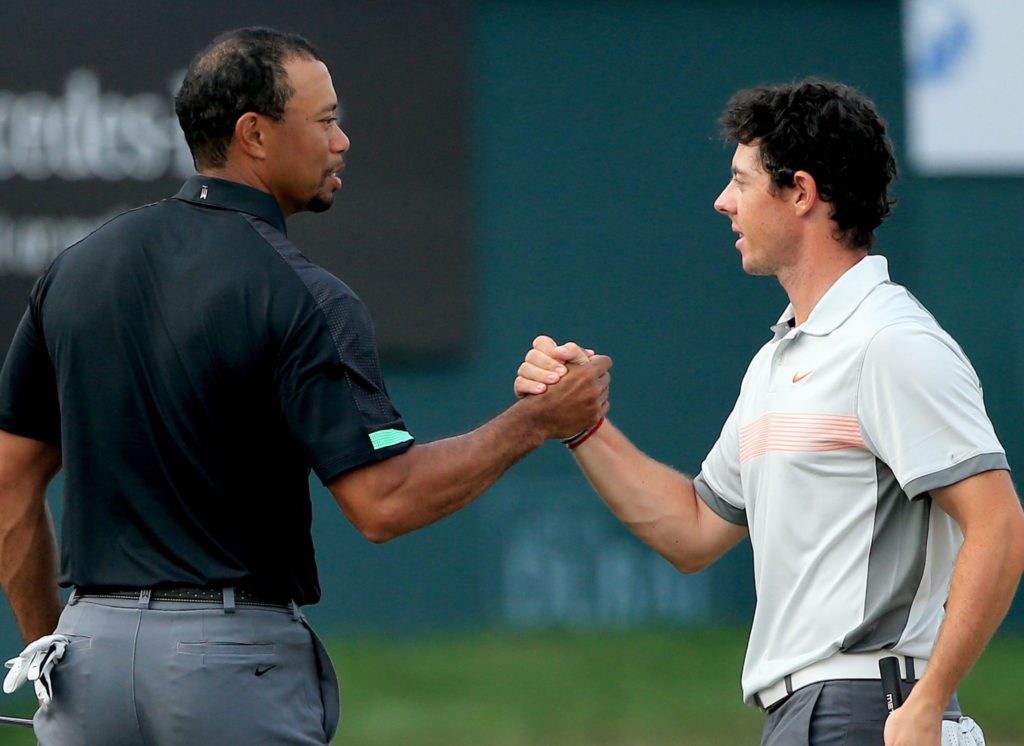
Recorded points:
(964,98)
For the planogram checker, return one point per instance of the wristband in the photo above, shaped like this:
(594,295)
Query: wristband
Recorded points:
(579,438)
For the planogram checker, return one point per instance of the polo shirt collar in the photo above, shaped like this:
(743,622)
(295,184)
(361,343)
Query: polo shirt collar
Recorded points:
(221,194)
(840,300)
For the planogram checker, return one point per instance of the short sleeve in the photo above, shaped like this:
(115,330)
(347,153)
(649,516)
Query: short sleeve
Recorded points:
(922,412)
(331,388)
(719,484)
(29,404)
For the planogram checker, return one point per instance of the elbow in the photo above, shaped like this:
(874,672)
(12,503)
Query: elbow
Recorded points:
(1018,544)
(380,525)
(372,502)
(690,565)
(688,560)
(377,531)
(378,537)
(374,521)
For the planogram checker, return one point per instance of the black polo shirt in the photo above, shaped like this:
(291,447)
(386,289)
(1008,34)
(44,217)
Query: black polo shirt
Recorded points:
(193,365)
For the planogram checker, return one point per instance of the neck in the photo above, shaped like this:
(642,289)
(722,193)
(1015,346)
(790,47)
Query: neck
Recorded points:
(807,282)
(239,174)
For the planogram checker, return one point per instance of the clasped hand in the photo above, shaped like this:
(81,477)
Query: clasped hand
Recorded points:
(582,399)
(545,364)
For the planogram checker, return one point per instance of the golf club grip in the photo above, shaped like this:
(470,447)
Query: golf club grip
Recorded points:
(889,668)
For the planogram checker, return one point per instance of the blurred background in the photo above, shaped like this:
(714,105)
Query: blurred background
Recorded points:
(520,168)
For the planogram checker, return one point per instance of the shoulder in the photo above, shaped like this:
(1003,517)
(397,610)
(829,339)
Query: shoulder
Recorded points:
(896,329)
(309,294)
(87,249)
(907,335)
(919,358)
(324,288)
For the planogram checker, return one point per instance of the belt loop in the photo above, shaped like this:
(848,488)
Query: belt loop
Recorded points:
(296,614)
(229,599)
(911,674)
(73,598)
(144,598)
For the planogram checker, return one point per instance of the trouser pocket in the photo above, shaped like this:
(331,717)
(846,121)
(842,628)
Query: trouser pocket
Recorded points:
(329,690)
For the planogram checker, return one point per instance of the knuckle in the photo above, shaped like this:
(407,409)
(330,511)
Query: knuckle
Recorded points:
(537,358)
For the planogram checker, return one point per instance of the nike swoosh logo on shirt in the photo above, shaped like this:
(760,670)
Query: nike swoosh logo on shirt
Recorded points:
(797,377)
(261,670)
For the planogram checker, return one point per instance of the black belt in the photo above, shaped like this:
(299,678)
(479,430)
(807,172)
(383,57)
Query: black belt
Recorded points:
(188,593)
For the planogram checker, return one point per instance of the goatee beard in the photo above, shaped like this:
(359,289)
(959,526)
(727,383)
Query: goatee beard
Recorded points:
(320,203)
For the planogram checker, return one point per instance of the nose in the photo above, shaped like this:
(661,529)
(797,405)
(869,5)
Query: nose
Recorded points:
(340,142)
(724,202)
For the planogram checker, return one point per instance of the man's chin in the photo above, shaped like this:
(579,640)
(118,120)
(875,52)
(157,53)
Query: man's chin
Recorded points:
(320,203)
(754,268)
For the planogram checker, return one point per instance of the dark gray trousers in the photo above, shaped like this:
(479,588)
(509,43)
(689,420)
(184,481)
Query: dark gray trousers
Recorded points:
(186,674)
(835,713)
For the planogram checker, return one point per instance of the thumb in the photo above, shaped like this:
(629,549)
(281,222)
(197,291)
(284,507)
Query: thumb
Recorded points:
(570,352)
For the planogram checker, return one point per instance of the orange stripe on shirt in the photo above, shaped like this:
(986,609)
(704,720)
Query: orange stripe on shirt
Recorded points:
(799,433)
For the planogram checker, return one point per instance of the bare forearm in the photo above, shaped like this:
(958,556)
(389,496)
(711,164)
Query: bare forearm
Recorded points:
(654,501)
(985,576)
(985,579)
(448,474)
(28,568)
(429,482)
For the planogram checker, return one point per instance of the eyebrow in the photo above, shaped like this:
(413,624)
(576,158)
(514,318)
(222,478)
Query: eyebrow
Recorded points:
(328,109)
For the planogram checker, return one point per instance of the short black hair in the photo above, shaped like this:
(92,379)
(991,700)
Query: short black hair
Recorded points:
(239,71)
(831,131)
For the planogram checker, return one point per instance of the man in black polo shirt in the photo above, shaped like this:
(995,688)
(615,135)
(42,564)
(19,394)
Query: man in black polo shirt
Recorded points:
(187,366)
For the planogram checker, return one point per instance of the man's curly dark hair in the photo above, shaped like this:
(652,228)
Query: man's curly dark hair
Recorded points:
(832,132)
(240,71)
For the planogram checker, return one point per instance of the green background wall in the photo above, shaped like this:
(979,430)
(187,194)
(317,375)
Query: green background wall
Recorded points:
(595,163)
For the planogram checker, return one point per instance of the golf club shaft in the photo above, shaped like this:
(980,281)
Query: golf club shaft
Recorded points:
(20,722)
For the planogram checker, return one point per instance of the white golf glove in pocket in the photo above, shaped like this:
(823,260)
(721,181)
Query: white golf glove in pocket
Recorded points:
(35,664)
(963,733)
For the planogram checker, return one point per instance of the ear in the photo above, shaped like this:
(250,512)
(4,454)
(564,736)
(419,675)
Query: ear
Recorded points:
(251,135)
(804,192)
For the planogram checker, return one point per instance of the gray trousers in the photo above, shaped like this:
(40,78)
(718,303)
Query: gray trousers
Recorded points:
(835,713)
(186,674)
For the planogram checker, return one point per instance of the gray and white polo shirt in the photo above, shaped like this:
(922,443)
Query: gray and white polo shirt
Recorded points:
(841,427)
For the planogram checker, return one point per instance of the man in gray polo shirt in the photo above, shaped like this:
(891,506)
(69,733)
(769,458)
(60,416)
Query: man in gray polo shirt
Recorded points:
(858,458)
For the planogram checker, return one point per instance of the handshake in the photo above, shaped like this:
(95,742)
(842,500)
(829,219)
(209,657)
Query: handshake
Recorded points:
(575,409)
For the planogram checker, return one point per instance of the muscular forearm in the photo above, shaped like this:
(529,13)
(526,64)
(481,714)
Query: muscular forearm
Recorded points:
(429,482)
(28,547)
(985,579)
(28,566)
(985,576)
(434,480)
(655,502)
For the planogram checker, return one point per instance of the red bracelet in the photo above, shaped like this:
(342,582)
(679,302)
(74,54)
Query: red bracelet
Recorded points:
(577,440)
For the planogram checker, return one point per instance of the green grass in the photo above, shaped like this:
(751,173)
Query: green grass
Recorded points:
(654,687)
(629,688)
(636,687)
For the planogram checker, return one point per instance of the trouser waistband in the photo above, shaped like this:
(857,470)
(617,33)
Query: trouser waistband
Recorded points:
(839,666)
(227,597)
